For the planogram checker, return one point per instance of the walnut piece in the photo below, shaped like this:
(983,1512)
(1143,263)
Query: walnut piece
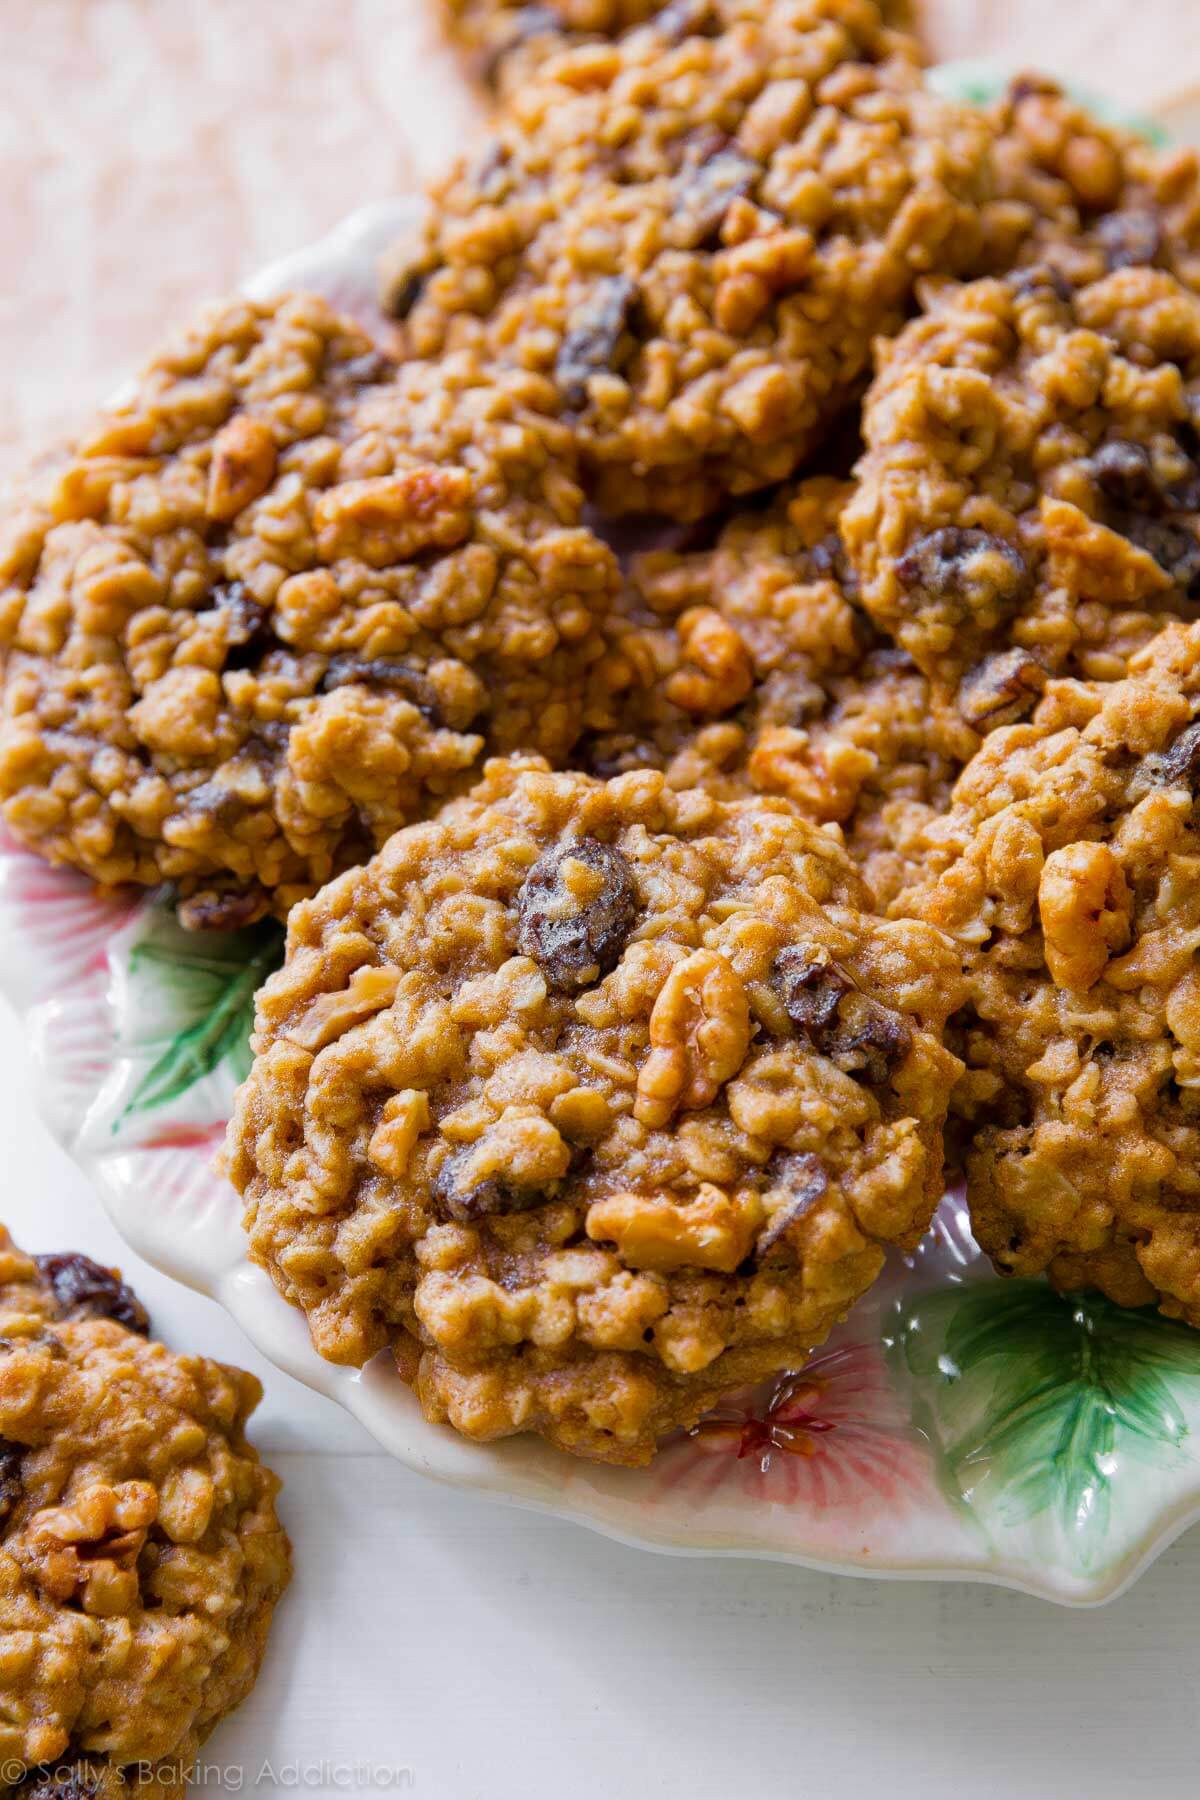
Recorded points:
(713,1230)
(699,1036)
(330,1015)
(1085,906)
(717,672)
(242,468)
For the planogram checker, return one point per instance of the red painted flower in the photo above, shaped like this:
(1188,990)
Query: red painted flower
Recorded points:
(830,1436)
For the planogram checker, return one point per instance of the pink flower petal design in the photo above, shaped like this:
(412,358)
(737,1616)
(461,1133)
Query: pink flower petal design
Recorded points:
(57,923)
(831,1436)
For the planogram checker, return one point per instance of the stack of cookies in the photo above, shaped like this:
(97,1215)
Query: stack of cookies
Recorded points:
(716,699)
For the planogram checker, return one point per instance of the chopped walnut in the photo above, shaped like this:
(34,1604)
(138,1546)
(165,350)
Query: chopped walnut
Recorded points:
(242,468)
(699,1036)
(1085,906)
(330,1015)
(88,1549)
(404,1117)
(717,672)
(388,518)
(713,1230)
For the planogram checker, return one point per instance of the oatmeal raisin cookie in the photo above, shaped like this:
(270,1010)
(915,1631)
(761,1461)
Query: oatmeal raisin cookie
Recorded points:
(1091,197)
(1068,871)
(694,235)
(592,1100)
(1029,499)
(751,668)
(507,38)
(280,599)
(140,1554)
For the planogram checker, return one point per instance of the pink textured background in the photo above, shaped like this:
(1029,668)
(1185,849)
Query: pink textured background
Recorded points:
(152,152)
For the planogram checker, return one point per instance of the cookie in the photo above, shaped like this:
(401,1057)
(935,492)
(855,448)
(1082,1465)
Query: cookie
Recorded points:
(754,670)
(140,1553)
(693,234)
(591,1100)
(279,601)
(1029,500)
(1092,197)
(506,39)
(1065,871)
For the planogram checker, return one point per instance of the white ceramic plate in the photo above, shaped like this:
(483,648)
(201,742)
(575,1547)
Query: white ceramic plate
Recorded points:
(957,1426)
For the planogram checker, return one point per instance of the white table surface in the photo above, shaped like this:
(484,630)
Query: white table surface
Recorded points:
(462,1650)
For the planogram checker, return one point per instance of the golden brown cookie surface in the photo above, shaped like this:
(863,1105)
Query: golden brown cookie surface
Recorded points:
(1029,500)
(278,602)
(1066,873)
(695,233)
(140,1554)
(591,1100)
(752,669)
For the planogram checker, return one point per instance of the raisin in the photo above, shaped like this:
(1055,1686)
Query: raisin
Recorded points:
(11,1485)
(213,800)
(605,754)
(63,1781)
(222,910)
(576,938)
(978,573)
(84,1290)
(35,1340)
(245,620)
(1130,239)
(681,19)
(593,343)
(381,671)
(1178,766)
(466,1202)
(870,1041)
(1174,547)
(1124,472)
(367,370)
(801,1174)
(404,291)
(1001,689)
(1041,279)
(704,194)
(528,22)
(811,986)
(830,562)
(244,615)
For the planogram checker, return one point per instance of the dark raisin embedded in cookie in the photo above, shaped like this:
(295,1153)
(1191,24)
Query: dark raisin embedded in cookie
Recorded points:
(804,1181)
(11,1485)
(464,1196)
(704,195)
(973,573)
(1177,766)
(811,986)
(223,909)
(1130,238)
(1124,472)
(1174,547)
(85,1290)
(593,344)
(385,672)
(870,1039)
(577,907)
(1001,689)
(81,1779)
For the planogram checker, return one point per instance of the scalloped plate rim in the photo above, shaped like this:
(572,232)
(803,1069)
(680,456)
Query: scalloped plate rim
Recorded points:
(432,1450)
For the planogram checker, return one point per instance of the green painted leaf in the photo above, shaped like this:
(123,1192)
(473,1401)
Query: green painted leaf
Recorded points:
(211,981)
(1036,1403)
